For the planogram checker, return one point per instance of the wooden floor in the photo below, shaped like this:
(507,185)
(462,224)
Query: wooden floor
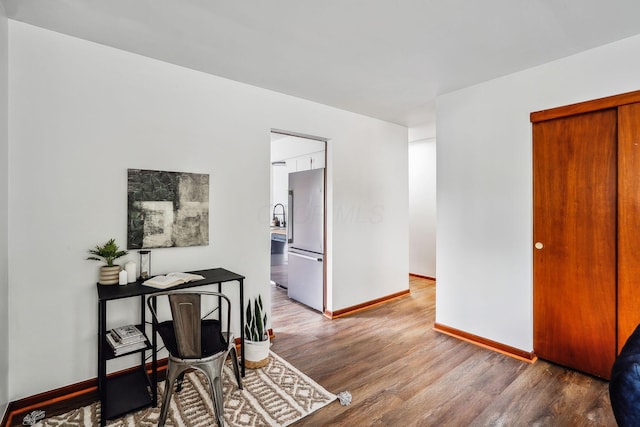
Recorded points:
(279,275)
(402,373)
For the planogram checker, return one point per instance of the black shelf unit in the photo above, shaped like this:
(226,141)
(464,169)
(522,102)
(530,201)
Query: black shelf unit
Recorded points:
(129,391)
(135,389)
(126,393)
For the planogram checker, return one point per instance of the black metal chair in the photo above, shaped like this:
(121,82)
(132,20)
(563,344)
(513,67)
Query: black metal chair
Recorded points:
(194,340)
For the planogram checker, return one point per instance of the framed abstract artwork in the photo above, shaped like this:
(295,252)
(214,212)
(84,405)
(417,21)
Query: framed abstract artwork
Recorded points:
(167,209)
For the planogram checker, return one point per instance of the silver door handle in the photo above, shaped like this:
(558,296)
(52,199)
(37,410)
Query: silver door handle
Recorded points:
(305,256)
(290,207)
(539,245)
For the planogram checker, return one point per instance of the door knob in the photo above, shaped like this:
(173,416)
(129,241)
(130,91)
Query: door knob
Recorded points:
(539,245)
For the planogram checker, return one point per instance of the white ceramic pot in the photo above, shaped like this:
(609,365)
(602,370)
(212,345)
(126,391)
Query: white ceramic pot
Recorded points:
(256,353)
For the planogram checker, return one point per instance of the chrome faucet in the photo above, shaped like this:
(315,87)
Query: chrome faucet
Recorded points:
(284,217)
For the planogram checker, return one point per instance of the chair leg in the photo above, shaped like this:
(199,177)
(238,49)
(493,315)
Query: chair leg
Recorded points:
(214,374)
(236,368)
(169,383)
(218,399)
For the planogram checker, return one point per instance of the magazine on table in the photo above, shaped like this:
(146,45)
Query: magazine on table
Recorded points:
(171,279)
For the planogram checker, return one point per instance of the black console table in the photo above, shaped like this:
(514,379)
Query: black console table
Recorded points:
(128,392)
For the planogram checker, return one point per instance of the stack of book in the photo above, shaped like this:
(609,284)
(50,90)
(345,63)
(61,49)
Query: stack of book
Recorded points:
(125,339)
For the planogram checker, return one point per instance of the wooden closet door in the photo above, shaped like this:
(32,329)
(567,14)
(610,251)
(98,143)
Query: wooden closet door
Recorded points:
(574,262)
(628,221)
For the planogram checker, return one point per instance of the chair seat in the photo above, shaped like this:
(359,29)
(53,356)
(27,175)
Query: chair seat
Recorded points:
(213,340)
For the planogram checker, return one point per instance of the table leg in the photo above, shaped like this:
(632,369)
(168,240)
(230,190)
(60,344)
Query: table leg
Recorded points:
(241,281)
(154,360)
(242,326)
(102,361)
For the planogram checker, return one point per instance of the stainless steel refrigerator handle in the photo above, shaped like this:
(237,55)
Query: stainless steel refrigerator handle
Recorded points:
(312,258)
(290,228)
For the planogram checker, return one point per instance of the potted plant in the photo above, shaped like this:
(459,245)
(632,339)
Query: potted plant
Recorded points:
(256,341)
(107,253)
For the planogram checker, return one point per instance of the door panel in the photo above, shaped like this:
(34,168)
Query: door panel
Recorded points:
(574,258)
(628,221)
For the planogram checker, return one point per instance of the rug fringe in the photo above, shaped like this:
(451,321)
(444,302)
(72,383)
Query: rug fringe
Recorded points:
(344,397)
(32,418)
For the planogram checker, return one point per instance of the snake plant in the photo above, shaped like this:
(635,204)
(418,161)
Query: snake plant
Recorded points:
(255,328)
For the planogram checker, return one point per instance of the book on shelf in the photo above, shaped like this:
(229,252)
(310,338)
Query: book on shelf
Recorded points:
(120,348)
(127,334)
(171,279)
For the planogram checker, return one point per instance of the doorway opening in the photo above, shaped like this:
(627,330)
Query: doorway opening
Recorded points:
(297,217)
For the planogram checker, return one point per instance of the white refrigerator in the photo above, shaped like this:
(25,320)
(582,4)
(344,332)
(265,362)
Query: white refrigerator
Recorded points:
(305,235)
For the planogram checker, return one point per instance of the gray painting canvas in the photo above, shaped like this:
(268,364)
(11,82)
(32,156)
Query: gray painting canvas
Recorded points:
(167,209)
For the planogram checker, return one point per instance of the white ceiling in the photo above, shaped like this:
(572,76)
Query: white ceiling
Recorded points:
(387,59)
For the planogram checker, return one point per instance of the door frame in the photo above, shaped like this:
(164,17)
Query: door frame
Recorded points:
(327,249)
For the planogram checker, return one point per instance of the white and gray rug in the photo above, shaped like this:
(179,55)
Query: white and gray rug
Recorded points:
(275,395)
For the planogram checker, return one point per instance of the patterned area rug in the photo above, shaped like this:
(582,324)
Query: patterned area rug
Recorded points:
(276,395)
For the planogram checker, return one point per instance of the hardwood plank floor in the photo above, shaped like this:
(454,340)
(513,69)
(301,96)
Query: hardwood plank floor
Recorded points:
(401,372)
(279,275)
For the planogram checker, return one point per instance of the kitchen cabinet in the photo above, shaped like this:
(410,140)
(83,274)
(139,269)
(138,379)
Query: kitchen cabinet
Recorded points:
(317,160)
(586,256)
(306,162)
(278,240)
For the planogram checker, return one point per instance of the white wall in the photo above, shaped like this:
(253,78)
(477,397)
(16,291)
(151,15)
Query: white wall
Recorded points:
(4,166)
(368,216)
(80,114)
(484,194)
(422,207)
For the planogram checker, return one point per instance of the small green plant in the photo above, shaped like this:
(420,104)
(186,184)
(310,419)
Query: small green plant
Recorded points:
(107,252)
(255,328)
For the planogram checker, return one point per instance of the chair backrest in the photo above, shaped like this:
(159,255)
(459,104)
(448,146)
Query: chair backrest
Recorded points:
(185,310)
(188,333)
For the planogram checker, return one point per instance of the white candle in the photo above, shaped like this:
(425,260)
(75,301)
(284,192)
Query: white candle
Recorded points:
(130,268)
(122,277)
